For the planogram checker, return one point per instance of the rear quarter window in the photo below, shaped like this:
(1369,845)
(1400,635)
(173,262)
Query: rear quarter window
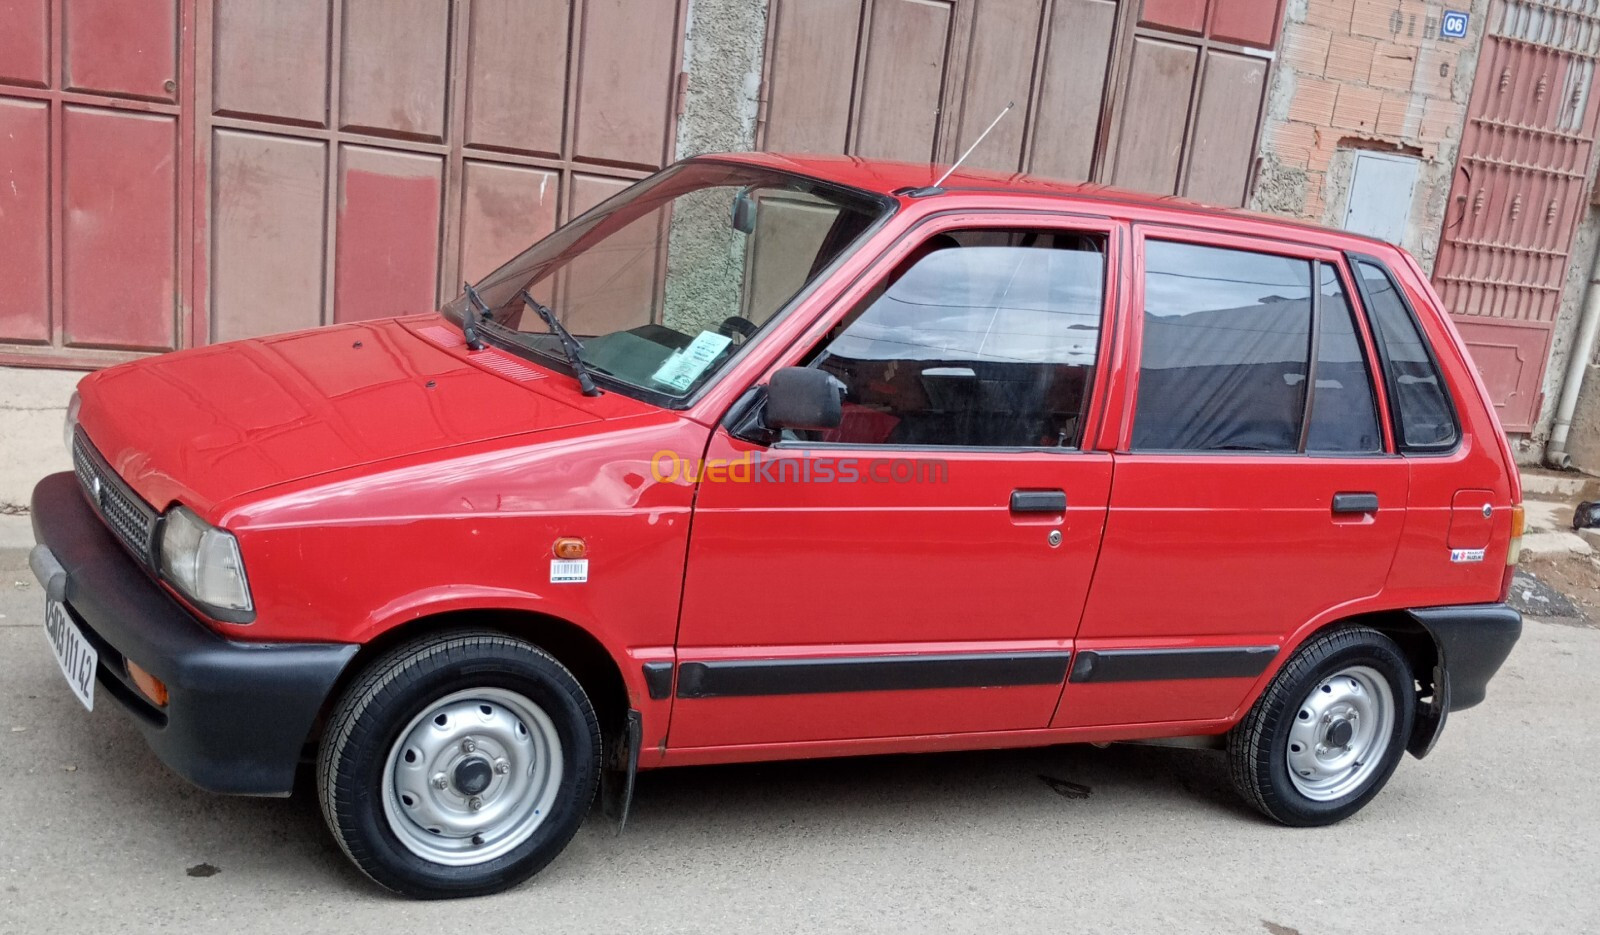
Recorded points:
(1418,399)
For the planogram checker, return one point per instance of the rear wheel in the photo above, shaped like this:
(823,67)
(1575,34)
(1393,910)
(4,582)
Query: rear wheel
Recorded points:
(1328,732)
(459,765)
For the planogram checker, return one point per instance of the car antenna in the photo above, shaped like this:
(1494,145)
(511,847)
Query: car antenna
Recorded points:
(469,315)
(937,188)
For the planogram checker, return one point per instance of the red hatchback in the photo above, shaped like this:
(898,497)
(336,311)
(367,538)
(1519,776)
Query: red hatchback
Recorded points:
(773,457)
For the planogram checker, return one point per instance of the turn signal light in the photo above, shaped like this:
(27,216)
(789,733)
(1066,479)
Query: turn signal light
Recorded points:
(152,687)
(570,547)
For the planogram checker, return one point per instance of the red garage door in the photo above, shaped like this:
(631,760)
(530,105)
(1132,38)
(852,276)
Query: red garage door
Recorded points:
(190,171)
(95,208)
(1163,95)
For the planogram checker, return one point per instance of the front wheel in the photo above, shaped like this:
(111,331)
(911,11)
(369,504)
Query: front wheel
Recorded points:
(459,765)
(1328,732)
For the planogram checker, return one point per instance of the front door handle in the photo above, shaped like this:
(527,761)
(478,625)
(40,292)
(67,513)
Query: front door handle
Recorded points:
(1363,502)
(1038,501)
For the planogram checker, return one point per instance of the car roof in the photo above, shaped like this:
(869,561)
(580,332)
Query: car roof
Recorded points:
(898,179)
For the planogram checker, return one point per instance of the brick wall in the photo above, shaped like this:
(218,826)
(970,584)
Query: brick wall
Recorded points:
(1371,74)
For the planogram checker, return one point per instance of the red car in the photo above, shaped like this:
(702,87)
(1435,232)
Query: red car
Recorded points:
(774,457)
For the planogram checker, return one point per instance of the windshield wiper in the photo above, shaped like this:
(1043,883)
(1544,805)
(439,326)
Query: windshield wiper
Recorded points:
(569,344)
(469,325)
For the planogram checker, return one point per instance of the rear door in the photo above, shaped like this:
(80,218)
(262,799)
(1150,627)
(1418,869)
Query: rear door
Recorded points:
(1256,486)
(1458,511)
(921,568)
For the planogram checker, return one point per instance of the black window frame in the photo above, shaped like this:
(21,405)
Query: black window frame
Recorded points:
(1391,386)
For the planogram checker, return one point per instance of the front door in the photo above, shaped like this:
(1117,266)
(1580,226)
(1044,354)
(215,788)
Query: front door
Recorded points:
(921,568)
(1257,491)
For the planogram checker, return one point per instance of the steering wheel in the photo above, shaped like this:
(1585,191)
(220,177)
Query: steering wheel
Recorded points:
(740,329)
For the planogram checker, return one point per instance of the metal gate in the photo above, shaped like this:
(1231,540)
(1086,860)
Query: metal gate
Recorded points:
(1161,95)
(1520,188)
(367,156)
(95,156)
(174,172)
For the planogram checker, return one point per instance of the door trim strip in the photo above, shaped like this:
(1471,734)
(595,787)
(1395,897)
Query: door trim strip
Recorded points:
(1154,665)
(749,677)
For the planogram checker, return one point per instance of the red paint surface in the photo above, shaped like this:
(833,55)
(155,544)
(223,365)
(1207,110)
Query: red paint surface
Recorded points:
(25,41)
(1247,22)
(124,47)
(1178,15)
(388,251)
(365,500)
(24,219)
(119,229)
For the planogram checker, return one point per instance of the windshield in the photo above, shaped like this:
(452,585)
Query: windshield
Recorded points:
(663,283)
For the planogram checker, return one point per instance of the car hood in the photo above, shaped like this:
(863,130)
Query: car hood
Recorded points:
(206,425)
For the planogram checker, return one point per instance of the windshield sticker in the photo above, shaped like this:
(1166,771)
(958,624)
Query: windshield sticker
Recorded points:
(685,366)
(569,571)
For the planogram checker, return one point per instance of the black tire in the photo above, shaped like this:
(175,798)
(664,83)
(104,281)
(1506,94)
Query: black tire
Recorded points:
(1258,747)
(396,689)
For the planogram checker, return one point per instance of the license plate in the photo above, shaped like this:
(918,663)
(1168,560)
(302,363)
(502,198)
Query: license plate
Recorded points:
(74,655)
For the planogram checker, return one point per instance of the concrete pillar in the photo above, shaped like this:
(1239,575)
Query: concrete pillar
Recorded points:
(722,53)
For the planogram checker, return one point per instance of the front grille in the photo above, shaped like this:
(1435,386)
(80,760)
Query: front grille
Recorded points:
(133,520)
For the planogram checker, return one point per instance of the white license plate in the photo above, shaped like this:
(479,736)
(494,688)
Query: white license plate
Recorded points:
(74,655)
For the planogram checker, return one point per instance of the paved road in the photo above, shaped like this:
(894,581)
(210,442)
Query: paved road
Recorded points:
(1498,831)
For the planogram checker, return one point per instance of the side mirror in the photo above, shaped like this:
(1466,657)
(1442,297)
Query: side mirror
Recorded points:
(743,213)
(804,398)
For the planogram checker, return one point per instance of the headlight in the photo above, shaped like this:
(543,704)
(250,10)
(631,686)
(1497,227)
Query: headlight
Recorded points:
(73,405)
(203,562)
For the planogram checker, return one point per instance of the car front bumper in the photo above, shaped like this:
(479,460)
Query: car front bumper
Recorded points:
(238,714)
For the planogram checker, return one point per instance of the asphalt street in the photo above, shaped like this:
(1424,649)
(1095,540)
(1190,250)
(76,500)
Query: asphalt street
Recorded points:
(1498,831)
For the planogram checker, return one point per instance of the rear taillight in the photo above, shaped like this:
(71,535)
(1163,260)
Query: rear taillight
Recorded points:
(1518,520)
(1514,551)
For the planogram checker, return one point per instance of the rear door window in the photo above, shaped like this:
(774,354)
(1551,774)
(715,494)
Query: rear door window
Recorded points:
(1424,417)
(1227,350)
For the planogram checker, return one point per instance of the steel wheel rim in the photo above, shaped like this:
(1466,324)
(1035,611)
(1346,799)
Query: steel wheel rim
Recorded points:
(472,776)
(1340,733)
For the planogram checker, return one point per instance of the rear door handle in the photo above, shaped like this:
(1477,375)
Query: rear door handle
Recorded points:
(1038,501)
(1364,502)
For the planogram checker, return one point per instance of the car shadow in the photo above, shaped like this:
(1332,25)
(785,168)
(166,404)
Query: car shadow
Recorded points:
(283,841)
(851,789)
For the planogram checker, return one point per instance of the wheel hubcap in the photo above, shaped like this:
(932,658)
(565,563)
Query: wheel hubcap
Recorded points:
(472,776)
(1340,733)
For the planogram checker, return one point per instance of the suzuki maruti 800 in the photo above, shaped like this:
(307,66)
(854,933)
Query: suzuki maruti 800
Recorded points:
(775,457)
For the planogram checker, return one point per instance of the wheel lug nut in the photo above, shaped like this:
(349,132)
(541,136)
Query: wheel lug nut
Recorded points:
(440,782)
(502,766)
(475,803)
(468,745)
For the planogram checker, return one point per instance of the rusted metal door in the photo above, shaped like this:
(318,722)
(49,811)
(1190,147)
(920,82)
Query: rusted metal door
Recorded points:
(1186,118)
(95,154)
(1520,187)
(1164,96)
(363,157)
(180,171)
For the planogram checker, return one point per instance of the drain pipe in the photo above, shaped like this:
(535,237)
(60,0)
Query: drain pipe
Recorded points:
(1555,450)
